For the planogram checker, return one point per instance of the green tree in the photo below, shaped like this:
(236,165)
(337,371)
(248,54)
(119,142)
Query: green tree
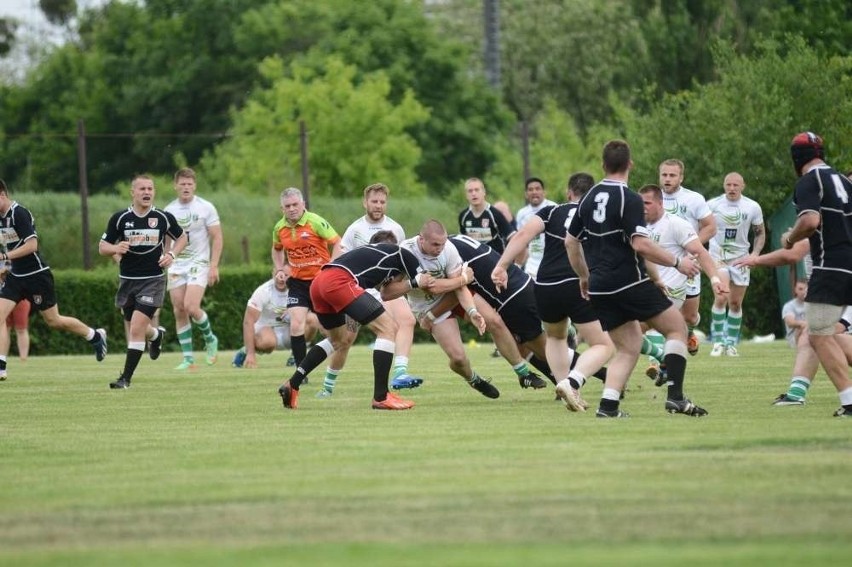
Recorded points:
(357,135)
(7,35)
(150,81)
(556,151)
(744,122)
(465,116)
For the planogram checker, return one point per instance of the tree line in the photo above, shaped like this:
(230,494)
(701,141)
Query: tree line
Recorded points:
(394,90)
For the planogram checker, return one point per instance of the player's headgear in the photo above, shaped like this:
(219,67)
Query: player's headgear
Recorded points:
(805,147)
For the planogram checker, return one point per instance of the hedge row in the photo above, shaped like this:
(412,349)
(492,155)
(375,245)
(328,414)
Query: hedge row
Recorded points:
(89,296)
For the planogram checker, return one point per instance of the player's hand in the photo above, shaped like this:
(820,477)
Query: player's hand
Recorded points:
(122,247)
(785,240)
(425,323)
(467,274)
(500,277)
(213,275)
(688,266)
(720,288)
(166,260)
(478,321)
(584,288)
(747,261)
(250,361)
(424,280)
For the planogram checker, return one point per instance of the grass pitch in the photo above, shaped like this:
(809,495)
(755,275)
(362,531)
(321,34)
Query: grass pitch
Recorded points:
(207,468)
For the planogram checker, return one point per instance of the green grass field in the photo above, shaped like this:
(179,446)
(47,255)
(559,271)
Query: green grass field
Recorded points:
(209,469)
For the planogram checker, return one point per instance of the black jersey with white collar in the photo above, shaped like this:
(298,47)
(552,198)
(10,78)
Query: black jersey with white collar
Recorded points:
(16,227)
(375,264)
(146,235)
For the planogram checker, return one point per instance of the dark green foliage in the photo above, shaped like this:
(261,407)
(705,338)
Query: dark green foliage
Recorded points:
(89,296)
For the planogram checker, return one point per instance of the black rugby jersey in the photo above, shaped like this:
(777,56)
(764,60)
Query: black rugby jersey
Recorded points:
(554,267)
(827,192)
(375,264)
(490,227)
(147,235)
(608,216)
(482,259)
(16,227)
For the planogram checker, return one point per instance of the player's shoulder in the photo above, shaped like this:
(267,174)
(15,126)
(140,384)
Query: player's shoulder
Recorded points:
(716,201)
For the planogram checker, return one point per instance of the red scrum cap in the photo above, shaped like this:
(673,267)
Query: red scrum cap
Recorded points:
(805,147)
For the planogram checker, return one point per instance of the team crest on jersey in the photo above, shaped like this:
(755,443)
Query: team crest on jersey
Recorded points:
(485,223)
(152,223)
(304,235)
(37,299)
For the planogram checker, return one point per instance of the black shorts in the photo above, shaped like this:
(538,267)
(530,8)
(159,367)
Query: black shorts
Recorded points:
(364,310)
(39,288)
(640,302)
(143,295)
(830,287)
(559,301)
(521,316)
(299,293)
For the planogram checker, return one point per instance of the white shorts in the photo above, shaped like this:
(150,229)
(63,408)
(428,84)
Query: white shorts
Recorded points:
(822,318)
(693,286)
(282,335)
(188,274)
(739,275)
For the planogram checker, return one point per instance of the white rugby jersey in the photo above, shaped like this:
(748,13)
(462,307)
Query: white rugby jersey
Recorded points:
(194,217)
(362,230)
(447,263)
(535,249)
(272,304)
(672,233)
(733,221)
(686,204)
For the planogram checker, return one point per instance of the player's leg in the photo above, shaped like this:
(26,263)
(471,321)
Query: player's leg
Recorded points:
(401,313)
(445,331)
(183,326)
(734,321)
(6,307)
(804,370)
(719,314)
(627,339)
(822,318)
(192,299)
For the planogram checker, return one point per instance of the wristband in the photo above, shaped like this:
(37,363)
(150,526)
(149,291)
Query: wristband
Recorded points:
(715,279)
(172,254)
(471,311)
(429,315)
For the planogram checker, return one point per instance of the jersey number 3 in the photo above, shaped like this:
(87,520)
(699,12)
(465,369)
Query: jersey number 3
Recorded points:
(601,199)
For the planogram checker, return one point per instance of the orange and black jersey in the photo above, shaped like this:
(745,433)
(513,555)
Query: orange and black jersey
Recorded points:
(375,264)
(146,235)
(16,227)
